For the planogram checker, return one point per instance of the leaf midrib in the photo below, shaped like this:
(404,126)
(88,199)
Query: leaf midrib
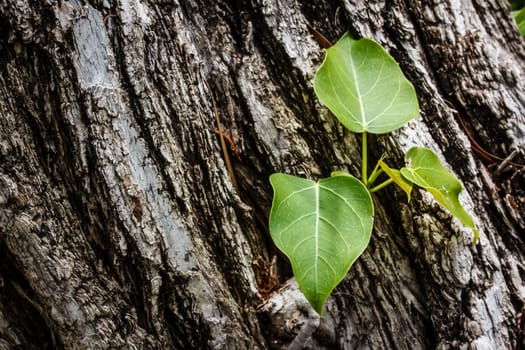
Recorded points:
(359,95)
(317,215)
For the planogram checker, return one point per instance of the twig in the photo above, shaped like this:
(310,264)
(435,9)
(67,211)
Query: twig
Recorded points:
(506,162)
(230,143)
(225,154)
(481,152)
(320,38)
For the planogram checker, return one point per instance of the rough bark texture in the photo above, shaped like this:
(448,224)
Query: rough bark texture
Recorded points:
(120,226)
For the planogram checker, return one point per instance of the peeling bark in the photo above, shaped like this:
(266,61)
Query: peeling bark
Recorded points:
(119,222)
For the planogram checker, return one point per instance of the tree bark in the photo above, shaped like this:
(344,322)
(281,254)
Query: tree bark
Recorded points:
(121,226)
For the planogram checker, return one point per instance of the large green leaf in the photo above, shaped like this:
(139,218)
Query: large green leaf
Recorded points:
(364,87)
(322,227)
(424,169)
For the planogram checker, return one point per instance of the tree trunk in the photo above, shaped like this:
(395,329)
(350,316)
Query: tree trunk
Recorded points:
(122,227)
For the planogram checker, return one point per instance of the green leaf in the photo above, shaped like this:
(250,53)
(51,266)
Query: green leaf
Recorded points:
(519,17)
(364,87)
(424,169)
(399,180)
(322,227)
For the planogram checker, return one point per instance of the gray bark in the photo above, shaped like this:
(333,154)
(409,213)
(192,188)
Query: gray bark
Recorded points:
(120,226)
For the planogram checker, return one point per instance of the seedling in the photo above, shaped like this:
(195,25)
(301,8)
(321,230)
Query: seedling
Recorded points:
(324,226)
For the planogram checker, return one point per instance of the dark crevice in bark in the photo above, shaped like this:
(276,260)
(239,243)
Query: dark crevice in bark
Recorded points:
(332,27)
(135,284)
(196,332)
(391,198)
(178,335)
(236,16)
(24,319)
(5,46)
(173,304)
(379,311)
(501,218)
(36,126)
(193,332)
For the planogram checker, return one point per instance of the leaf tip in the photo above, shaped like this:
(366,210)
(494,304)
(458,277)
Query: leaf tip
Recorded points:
(318,305)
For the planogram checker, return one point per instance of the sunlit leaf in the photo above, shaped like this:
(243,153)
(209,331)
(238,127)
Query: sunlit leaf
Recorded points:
(399,180)
(322,227)
(424,169)
(364,87)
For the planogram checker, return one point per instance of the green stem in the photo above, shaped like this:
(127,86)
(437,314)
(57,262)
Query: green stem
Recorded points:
(375,173)
(364,160)
(381,185)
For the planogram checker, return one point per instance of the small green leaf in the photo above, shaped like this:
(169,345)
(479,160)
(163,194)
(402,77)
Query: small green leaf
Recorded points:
(424,169)
(322,227)
(364,87)
(399,180)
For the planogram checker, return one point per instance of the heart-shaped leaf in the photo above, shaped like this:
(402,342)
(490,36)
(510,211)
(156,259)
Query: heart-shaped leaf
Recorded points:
(364,87)
(322,227)
(424,169)
(399,180)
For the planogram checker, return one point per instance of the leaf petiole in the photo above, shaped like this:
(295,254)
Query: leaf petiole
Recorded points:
(375,173)
(381,185)
(364,160)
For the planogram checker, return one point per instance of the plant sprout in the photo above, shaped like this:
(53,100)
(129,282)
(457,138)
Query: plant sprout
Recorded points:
(324,226)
